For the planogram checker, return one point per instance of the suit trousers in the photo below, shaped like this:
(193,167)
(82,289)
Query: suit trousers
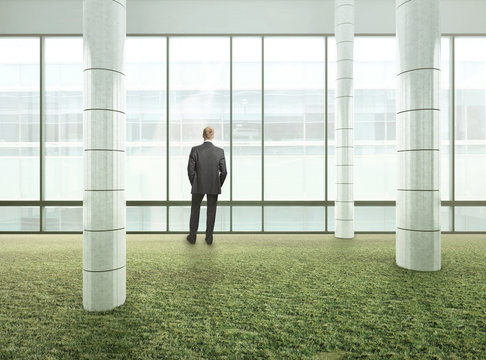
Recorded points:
(210,214)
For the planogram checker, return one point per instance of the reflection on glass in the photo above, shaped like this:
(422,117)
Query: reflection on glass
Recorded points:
(199,83)
(146,218)
(294,118)
(65,218)
(19,118)
(19,218)
(247,218)
(445,218)
(470,118)
(294,218)
(247,118)
(375,218)
(472,218)
(146,163)
(63,125)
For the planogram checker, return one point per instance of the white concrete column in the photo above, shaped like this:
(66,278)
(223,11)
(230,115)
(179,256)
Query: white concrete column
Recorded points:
(104,248)
(418,196)
(344,205)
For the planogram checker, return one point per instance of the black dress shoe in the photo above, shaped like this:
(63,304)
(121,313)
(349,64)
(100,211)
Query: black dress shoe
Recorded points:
(192,240)
(209,241)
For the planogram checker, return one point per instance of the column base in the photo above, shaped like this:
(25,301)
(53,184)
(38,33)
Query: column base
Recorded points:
(418,251)
(344,229)
(103,291)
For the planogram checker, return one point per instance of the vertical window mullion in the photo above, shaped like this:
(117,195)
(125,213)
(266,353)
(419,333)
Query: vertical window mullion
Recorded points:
(325,132)
(231,133)
(167,97)
(453,131)
(263,133)
(41,134)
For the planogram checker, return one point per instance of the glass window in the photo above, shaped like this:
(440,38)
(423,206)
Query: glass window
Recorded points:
(146,124)
(287,138)
(445,122)
(294,73)
(471,218)
(146,218)
(294,218)
(65,218)
(375,218)
(330,219)
(247,118)
(19,218)
(247,218)
(470,118)
(199,82)
(63,124)
(445,218)
(19,118)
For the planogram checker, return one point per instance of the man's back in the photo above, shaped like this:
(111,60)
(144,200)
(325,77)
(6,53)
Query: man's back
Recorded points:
(206,169)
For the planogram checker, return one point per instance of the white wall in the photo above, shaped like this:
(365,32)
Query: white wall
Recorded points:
(231,16)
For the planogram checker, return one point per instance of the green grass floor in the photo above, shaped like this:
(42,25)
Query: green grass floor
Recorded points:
(246,297)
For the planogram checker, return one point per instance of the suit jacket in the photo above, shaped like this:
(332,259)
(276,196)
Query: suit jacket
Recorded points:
(206,169)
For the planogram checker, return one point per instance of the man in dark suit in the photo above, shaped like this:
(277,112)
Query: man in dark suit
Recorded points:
(206,170)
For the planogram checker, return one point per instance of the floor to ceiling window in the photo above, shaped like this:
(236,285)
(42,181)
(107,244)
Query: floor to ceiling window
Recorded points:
(63,131)
(470,131)
(199,96)
(246,164)
(271,102)
(19,132)
(146,132)
(294,131)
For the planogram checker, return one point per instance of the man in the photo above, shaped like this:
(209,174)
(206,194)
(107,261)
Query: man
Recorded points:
(206,170)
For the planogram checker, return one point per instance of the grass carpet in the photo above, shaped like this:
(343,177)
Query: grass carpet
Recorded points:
(246,297)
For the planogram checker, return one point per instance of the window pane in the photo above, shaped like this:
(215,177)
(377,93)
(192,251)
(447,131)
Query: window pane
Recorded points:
(445,218)
(64,218)
(375,218)
(331,120)
(294,218)
(445,122)
(470,118)
(247,118)
(294,118)
(179,218)
(63,120)
(19,218)
(471,218)
(247,218)
(146,218)
(19,118)
(199,83)
(146,163)
(330,219)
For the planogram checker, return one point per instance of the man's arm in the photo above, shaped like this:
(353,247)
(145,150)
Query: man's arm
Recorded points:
(191,166)
(222,170)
